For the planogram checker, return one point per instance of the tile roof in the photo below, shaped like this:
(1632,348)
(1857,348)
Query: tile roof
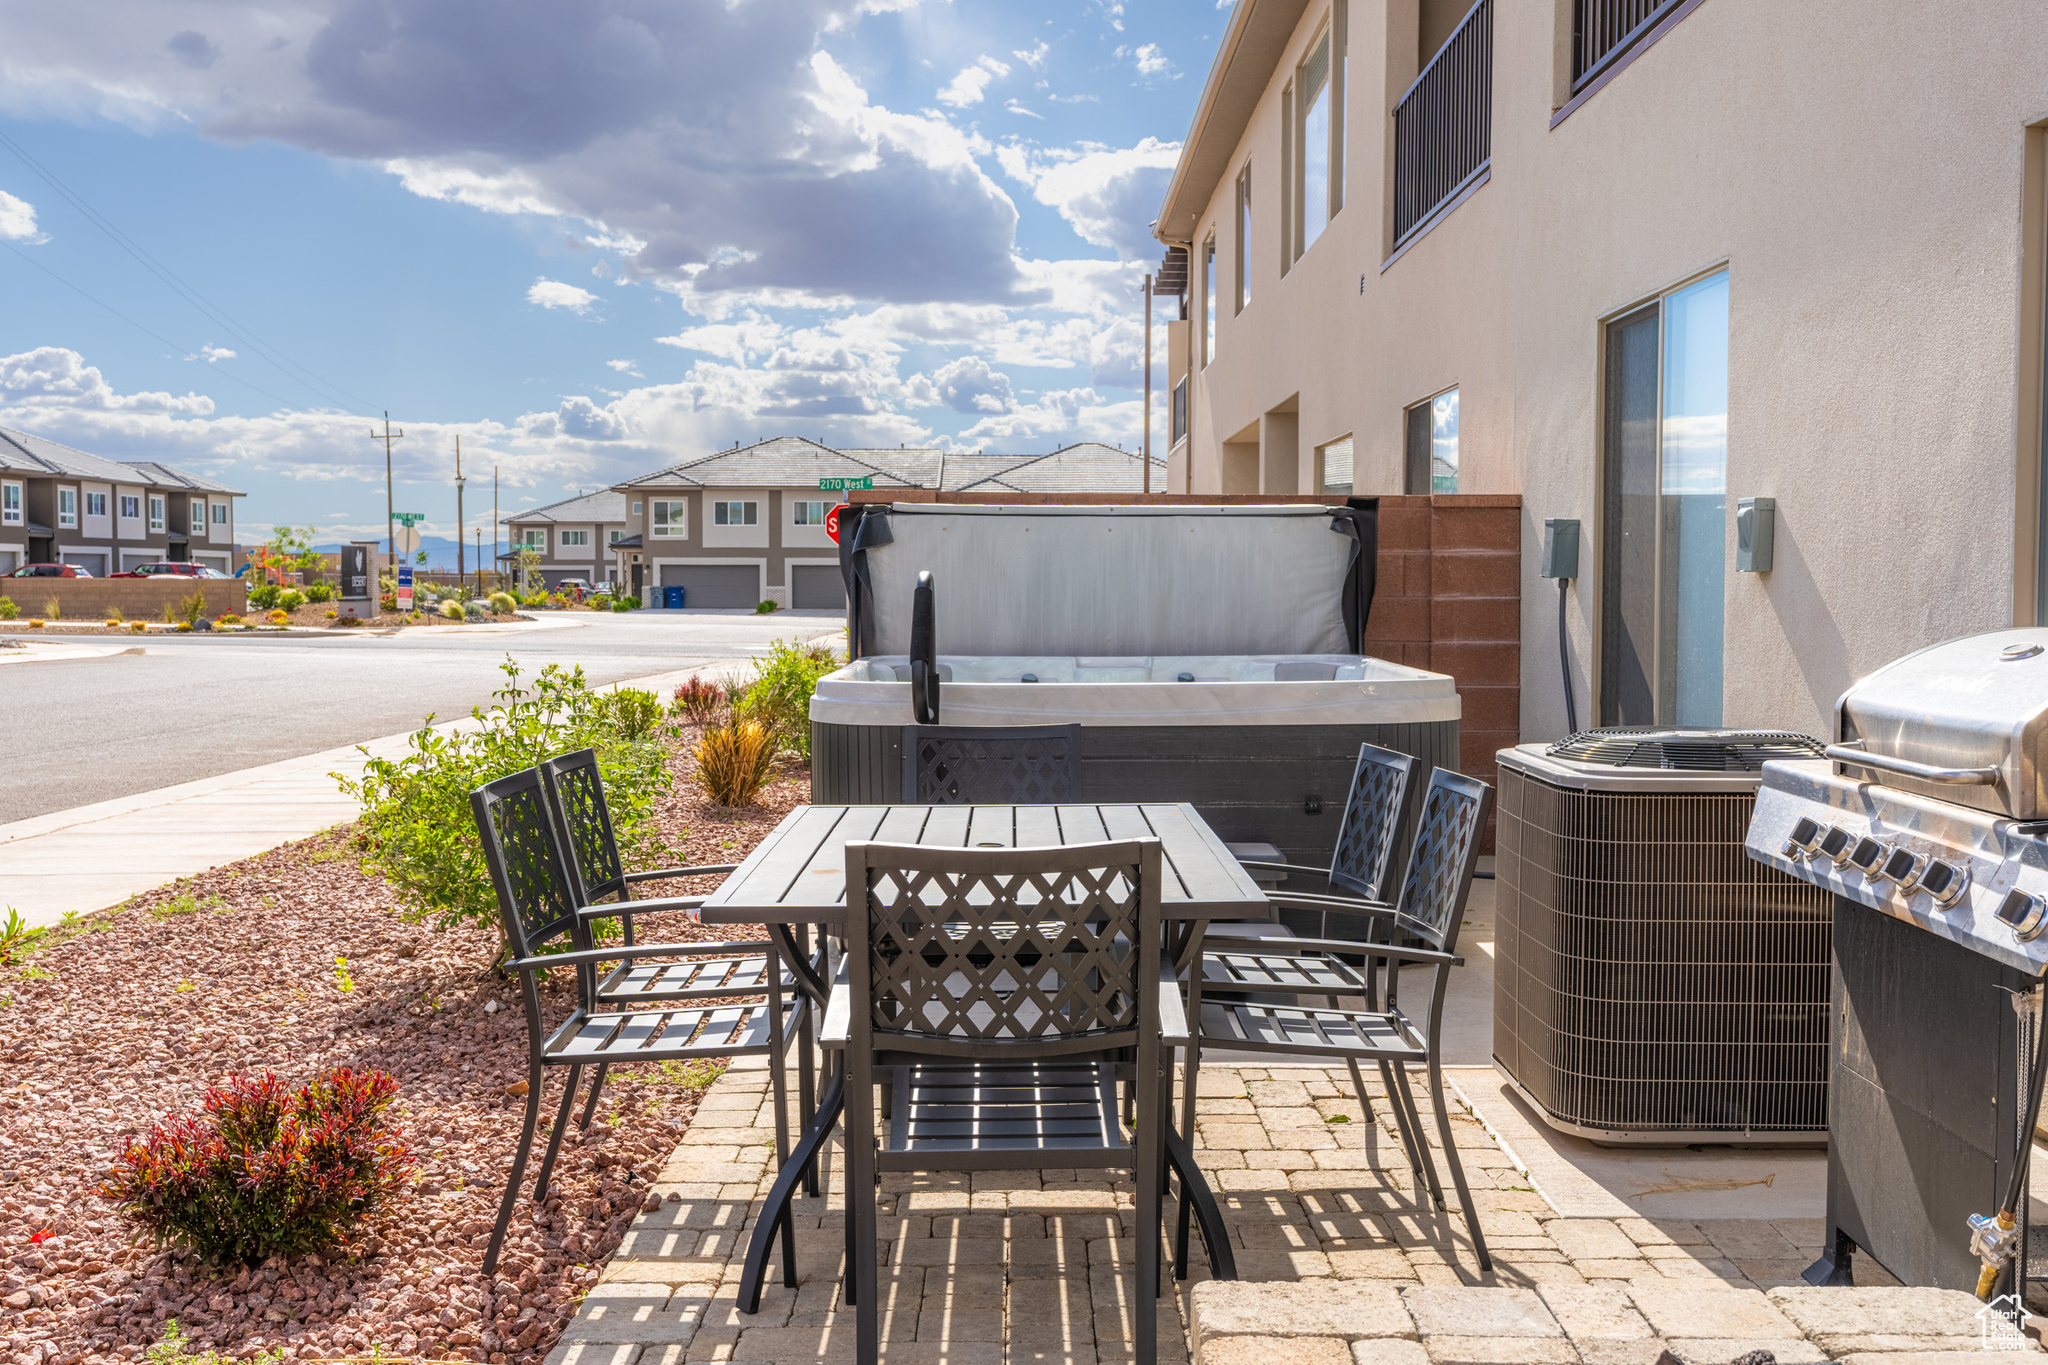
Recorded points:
(793,462)
(1089,467)
(605,505)
(24,453)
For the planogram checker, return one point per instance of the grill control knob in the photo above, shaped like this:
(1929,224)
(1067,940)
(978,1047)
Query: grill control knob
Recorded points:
(2025,915)
(1903,868)
(1945,882)
(1835,845)
(1868,856)
(1805,835)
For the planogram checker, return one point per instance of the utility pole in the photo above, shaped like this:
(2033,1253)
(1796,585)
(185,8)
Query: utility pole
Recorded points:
(390,503)
(1145,454)
(461,526)
(479,561)
(494,520)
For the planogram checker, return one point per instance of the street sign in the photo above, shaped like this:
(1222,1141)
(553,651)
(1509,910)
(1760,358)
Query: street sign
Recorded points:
(406,541)
(861,485)
(408,518)
(832,522)
(405,587)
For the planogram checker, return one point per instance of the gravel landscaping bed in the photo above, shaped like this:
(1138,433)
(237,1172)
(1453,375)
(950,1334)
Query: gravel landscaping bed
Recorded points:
(131,1015)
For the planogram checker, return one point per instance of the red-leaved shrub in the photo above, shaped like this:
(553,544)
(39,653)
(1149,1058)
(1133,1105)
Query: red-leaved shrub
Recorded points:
(267,1170)
(699,700)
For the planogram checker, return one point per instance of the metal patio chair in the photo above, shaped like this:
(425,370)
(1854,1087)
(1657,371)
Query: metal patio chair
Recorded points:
(726,972)
(536,906)
(1240,1014)
(956,765)
(1002,993)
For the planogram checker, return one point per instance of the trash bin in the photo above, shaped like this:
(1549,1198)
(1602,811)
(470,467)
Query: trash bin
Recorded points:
(672,597)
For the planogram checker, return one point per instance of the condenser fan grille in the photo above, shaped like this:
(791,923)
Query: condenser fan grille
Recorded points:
(1710,751)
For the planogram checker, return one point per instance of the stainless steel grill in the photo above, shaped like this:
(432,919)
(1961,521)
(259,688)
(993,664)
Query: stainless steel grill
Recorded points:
(1652,983)
(1924,826)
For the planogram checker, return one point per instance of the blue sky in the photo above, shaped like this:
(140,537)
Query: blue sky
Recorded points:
(591,237)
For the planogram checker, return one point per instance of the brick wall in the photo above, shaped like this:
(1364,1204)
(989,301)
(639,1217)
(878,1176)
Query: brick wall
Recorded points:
(1450,600)
(138,599)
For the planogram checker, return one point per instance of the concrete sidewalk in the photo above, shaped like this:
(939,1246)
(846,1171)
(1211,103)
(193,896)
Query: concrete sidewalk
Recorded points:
(92,857)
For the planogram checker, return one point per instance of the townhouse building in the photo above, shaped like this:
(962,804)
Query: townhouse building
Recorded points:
(747,525)
(571,539)
(59,505)
(1678,271)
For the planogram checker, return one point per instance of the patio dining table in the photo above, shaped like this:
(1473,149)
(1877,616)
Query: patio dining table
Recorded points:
(796,879)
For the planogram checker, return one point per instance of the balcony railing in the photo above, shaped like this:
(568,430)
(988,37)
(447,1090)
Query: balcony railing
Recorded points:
(1443,126)
(1603,30)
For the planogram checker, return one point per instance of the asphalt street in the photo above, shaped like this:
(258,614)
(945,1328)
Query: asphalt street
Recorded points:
(191,707)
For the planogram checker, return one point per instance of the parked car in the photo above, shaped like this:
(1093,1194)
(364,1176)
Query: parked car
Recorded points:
(171,569)
(50,571)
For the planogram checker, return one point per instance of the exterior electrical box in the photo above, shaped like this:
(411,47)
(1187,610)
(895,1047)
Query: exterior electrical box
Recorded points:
(1753,518)
(1561,547)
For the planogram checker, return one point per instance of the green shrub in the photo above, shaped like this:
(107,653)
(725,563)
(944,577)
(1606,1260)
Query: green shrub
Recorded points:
(266,1170)
(320,592)
(634,712)
(291,599)
(264,596)
(780,695)
(763,607)
(416,827)
(733,761)
(8,611)
(502,603)
(451,610)
(190,608)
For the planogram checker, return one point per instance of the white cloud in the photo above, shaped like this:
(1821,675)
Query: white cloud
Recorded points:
(1014,107)
(972,82)
(214,354)
(1150,60)
(965,385)
(1108,194)
(1033,57)
(554,294)
(54,378)
(626,367)
(18,220)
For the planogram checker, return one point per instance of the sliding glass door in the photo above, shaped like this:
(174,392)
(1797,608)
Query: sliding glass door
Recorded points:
(1664,509)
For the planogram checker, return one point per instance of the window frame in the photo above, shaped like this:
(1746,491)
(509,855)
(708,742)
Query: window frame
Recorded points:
(1244,232)
(678,525)
(12,510)
(801,509)
(195,514)
(1178,413)
(67,509)
(750,512)
(1208,300)
(220,511)
(158,505)
(1349,442)
(582,537)
(123,499)
(90,499)
(1333,33)
(1419,467)
(526,539)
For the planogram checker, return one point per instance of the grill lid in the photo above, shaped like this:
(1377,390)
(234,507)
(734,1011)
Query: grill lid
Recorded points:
(1965,721)
(1687,750)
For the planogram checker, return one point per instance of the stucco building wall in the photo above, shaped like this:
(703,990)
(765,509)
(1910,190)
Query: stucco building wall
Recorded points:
(1861,170)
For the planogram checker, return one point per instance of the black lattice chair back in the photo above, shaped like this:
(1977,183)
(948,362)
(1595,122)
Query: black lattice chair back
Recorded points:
(591,852)
(1446,850)
(1372,815)
(535,902)
(952,765)
(998,952)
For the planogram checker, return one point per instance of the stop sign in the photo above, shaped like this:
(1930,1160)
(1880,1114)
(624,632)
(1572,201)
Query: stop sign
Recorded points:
(832,522)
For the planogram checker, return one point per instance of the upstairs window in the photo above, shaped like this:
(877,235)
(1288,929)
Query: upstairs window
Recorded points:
(671,518)
(1180,411)
(220,513)
(735,513)
(614,537)
(156,512)
(198,516)
(575,538)
(10,504)
(1209,299)
(67,507)
(533,538)
(809,513)
(1244,237)
(131,507)
(1318,135)
(95,504)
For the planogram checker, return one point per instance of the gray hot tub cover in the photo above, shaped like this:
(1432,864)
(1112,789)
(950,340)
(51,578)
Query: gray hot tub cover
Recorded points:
(1117,580)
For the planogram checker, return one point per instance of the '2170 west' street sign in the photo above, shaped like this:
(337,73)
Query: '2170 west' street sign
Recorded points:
(846,485)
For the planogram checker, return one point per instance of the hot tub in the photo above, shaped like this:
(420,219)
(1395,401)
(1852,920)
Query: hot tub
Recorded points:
(1255,719)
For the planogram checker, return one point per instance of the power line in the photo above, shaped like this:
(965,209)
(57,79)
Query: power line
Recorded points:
(283,363)
(146,331)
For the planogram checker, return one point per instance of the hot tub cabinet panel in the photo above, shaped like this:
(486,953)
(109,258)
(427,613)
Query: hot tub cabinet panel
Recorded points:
(1278,784)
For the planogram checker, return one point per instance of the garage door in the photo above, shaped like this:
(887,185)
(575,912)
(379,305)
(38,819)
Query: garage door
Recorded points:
(715,585)
(816,587)
(94,564)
